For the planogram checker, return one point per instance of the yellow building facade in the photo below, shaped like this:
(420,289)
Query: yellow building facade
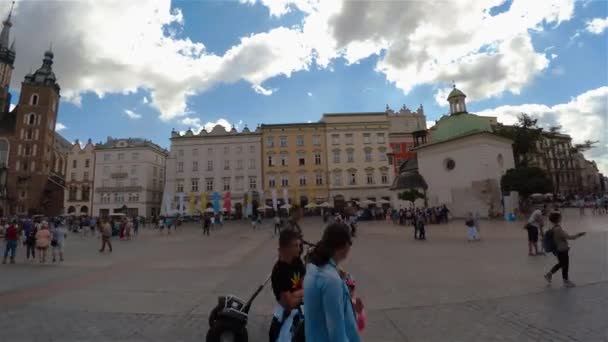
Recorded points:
(294,163)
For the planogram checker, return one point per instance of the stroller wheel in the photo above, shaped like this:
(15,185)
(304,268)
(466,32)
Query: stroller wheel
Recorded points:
(227,331)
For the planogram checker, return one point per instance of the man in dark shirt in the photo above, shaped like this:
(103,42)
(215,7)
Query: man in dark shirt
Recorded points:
(287,279)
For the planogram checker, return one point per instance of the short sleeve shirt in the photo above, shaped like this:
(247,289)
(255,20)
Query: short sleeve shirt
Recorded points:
(287,277)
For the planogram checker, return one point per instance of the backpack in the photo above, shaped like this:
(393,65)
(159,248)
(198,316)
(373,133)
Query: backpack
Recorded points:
(549,242)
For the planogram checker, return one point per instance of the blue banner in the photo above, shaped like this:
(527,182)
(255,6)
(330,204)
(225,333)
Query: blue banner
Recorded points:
(216,202)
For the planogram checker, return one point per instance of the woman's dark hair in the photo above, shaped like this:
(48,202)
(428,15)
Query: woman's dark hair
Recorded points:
(555,217)
(335,236)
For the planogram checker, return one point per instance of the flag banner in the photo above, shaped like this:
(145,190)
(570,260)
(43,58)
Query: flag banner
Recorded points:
(192,203)
(216,201)
(180,208)
(204,201)
(227,202)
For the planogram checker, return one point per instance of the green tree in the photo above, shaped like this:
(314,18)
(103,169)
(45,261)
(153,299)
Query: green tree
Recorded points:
(526,181)
(411,195)
(524,134)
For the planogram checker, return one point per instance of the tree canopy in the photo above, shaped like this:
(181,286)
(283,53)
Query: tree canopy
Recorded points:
(526,181)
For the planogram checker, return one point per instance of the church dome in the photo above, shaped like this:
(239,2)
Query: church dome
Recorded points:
(455,93)
(449,127)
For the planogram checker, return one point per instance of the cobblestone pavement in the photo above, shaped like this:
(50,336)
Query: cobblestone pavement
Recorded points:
(161,288)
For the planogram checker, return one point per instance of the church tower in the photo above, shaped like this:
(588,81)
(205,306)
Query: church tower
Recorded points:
(7,60)
(456,100)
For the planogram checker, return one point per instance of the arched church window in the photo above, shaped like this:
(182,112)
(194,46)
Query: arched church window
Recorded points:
(34,100)
(449,164)
(3,152)
(32,119)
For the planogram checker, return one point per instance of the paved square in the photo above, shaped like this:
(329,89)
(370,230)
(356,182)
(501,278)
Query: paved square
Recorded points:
(161,288)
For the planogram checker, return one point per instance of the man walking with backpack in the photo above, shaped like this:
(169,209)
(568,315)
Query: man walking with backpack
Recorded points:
(556,242)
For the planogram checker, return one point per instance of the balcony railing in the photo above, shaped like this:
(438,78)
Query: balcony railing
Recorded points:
(119,175)
(119,188)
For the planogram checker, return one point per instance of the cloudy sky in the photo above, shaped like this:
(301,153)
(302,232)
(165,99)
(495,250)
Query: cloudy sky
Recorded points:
(141,68)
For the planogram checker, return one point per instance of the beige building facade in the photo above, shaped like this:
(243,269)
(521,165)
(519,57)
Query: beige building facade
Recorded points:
(129,177)
(294,163)
(78,198)
(199,165)
(358,165)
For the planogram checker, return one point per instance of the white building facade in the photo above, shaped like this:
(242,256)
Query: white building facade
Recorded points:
(78,197)
(358,166)
(200,165)
(129,177)
(464,163)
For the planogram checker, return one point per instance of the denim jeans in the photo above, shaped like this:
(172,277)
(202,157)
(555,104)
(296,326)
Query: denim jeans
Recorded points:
(11,246)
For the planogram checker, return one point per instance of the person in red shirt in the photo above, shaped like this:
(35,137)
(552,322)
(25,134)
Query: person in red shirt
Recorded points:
(11,236)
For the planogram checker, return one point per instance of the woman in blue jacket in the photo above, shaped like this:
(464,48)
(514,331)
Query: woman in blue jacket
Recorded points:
(327,303)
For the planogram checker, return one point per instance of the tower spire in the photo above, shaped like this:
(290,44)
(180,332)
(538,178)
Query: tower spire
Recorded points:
(6,28)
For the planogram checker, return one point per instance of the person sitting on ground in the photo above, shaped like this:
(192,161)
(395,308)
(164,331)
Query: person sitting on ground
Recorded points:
(287,279)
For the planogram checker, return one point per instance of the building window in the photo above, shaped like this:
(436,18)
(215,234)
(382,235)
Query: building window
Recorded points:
(337,178)
(367,138)
(251,148)
(73,176)
(317,158)
(449,164)
(269,141)
(284,160)
(195,166)
(319,179)
(154,171)
(210,150)
(106,170)
(135,156)
(271,182)
(195,152)
(300,140)
(302,180)
(380,138)
(336,156)
(239,183)
(316,140)
(133,169)
(350,156)
(32,119)
(270,161)
(226,164)
(28,150)
(209,165)
(239,164)
(368,155)
(194,184)
(180,166)
(285,181)
(227,184)
(86,176)
(86,192)
(121,156)
(252,163)
(106,157)
(335,139)
(209,184)
(370,178)
(301,160)
(253,183)
(382,155)
(74,163)
(87,163)
(226,150)
(180,152)
(34,100)
(352,179)
(349,139)
(239,149)
(283,141)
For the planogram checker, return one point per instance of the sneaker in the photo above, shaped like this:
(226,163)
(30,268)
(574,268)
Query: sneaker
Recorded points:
(548,278)
(568,283)
(54,260)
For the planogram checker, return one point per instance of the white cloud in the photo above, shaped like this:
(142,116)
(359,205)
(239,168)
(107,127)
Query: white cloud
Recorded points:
(309,94)
(597,25)
(197,125)
(11,107)
(132,115)
(144,100)
(419,43)
(60,127)
(558,70)
(583,117)
(430,124)
(553,56)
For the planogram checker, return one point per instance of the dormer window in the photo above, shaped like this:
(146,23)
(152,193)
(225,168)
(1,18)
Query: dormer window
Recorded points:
(34,100)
